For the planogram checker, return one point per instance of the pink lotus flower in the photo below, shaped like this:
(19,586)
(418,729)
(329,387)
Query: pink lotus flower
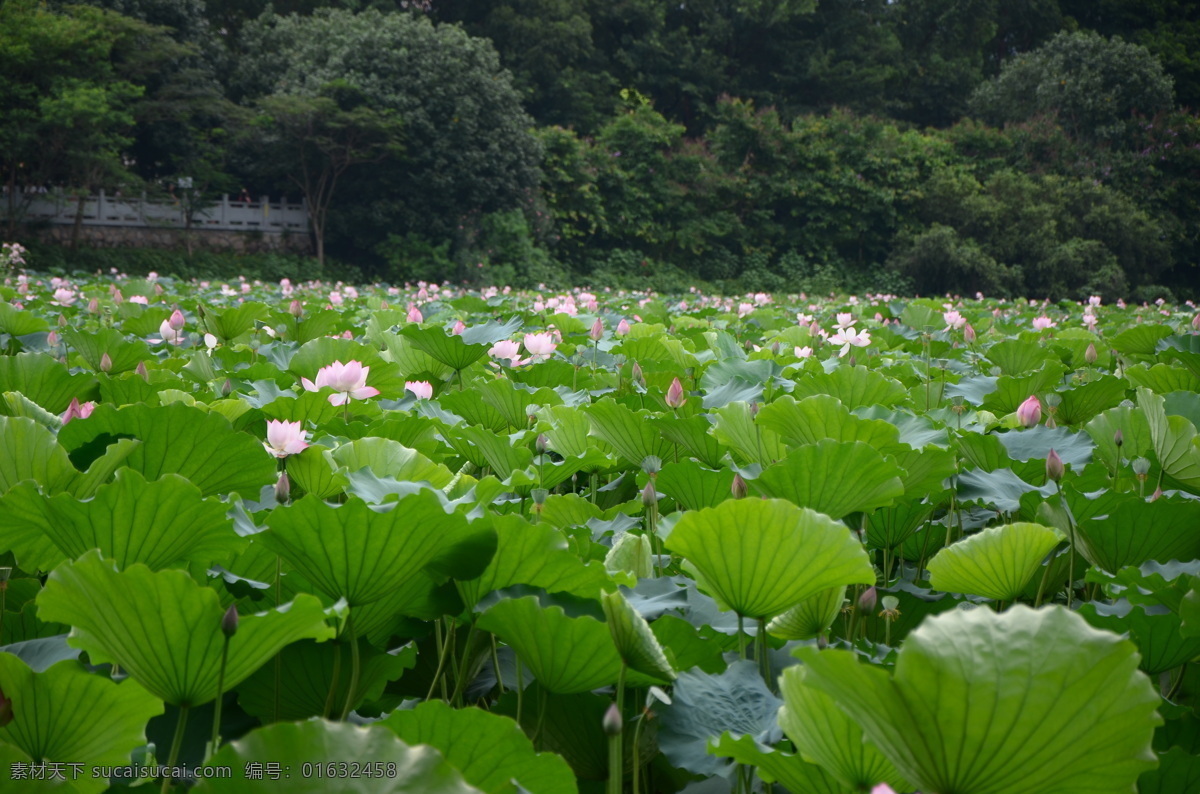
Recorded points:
(597,330)
(848,337)
(142,299)
(1042,323)
(421,389)
(804,352)
(883,788)
(285,438)
(336,299)
(623,326)
(675,397)
(77,411)
(1029,413)
(954,320)
(64,296)
(169,334)
(414,314)
(348,380)
(844,320)
(459,327)
(509,350)
(176,320)
(540,346)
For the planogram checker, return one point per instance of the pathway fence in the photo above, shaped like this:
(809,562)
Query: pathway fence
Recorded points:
(226,215)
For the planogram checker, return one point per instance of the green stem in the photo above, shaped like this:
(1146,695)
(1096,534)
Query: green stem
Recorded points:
(355,666)
(278,657)
(460,682)
(761,652)
(496,667)
(741,638)
(520,689)
(176,744)
(616,761)
(1037,602)
(444,652)
(337,674)
(216,737)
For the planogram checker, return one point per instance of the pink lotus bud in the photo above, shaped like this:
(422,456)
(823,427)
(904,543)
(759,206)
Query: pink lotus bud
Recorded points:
(1029,413)
(283,488)
(141,370)
(52,339)
(542,443)
(1090,354)
(738,487)
(295,309)
(612,723)
(459,327)
(62,321)
(866,601)
(421,389)
(597,330)
(106,363)
(1196,321)
(1154,497)
(623,326)
(227,388)
(383,305)
(176,321)
(1119,439)
(93,306)
(675,398)
(158,289)
(414,315)
(969,334)
(1054,467)
(649,495)
(229,621)
(636,375)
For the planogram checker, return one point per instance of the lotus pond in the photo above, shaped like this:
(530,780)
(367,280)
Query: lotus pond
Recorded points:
(426,539)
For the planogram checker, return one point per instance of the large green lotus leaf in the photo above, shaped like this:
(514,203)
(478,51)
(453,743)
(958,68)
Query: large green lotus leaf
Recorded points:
(514,401)
(925,470)
(1177,771)
(889,527)
(535,555)
(853,386)
(629,433)
(92,345)
(822,417)
(1010,392)
(823,734)
(793,772)
(1163,378)
(20,322)
(760,556)
(1185,348)
(165,629)
(1135,435)
(735,428)
(198,445)
(693,486)
(360,553)
(229,323)
(308,406)
(489,449)
(305,673)
(491,751)
(1154,630)
(996,563)
(316,472)
(28,451)
(568,432)
(1140,340)
(161,524)
(351,759)
(635,642)
(45,380)
(567,655)
(449,349)
(66,714)
(387,458)
(411,360)
(1023,702)
(474,410)
(1081,403)
(318,353)
(1016,357)
(706,706)
(1035,443)
(1135,531)
(1176,443)
(692,434)
(834,478)
(810,618)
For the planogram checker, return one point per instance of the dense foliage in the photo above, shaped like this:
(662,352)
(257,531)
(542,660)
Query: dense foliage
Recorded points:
(1041,147)
(449,540)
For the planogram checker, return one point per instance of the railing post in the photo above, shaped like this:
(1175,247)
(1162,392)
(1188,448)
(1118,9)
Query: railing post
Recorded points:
(100,207)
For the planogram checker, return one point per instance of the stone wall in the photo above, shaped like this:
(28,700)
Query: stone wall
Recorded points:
(249,242)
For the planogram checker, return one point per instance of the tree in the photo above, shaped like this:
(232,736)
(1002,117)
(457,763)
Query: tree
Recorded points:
(469,150)
(1095,87)
(313,141)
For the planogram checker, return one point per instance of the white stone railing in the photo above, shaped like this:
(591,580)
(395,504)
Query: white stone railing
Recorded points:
(228,214)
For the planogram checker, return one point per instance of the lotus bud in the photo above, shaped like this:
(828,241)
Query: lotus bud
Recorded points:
(623,327)
(384,305)
(283,488)
(775,348)
(1196,321)
(636,375)
(822,642)
(106,363)
(597,330)
(612,723)
(1030,412)
(1141,467)
(675,398)
(738,488)
(1054,467)
(649,495)
(866,601)
(414,314)
(227,388)
(52,339)
(142,371)
(62,321)
(853,360)
(229,622)
(93,306)
(969,334)
(1090,355)
(459,327)
(6,709)
(158,289)
(1119,439)
(754,408)
(295,309)
(542,443)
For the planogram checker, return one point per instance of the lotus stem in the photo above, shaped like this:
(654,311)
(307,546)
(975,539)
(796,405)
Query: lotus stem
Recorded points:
(761,651)
(216,731)
(176,744)
(616,761)
(355,666)
(520,689)
(337,673)
(496,667)
(741,638)
(460,682)
(443,652)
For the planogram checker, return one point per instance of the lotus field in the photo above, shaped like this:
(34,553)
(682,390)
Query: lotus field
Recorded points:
(309,537)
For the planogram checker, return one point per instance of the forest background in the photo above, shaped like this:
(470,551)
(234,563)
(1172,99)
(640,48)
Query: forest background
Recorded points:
(1046,148)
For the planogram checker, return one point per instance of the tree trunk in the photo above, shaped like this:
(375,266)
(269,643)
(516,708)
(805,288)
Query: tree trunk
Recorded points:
(79,199)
